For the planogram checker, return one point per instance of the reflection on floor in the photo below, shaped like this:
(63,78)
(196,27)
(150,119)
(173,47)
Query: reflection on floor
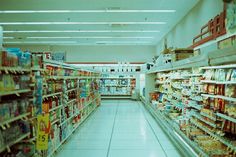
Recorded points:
(119,128)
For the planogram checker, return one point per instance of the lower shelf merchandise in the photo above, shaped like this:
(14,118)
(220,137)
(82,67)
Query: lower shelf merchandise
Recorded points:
(201,113)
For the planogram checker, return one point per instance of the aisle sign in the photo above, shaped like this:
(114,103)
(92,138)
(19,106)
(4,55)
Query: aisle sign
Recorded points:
(43,129)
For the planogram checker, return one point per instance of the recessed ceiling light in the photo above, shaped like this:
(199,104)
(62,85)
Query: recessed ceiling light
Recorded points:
(83,31)
(82,23)
(84,11)
(89,37)
(39,42)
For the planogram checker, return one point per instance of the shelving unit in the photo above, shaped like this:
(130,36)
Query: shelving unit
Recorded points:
(65,93)
(117,87)
(15,106)
(196,115)
(78,98)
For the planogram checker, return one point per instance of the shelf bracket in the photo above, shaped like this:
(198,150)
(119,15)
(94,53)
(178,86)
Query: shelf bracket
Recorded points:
(6,71)
(3,127)
(8,149)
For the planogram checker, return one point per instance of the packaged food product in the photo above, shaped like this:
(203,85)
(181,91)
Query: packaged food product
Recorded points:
(230,91)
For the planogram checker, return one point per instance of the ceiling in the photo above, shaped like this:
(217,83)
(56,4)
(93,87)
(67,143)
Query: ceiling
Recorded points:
(90,22)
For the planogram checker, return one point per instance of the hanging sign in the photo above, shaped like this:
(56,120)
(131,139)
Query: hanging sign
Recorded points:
(43,129)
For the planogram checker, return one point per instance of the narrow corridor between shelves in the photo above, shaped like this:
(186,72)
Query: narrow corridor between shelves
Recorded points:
(119,128)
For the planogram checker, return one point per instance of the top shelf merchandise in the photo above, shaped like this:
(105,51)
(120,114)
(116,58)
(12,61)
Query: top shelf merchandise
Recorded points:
(199,103)
(117,85)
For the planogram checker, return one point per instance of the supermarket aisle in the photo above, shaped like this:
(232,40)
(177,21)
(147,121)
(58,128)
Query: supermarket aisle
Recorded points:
(119,128)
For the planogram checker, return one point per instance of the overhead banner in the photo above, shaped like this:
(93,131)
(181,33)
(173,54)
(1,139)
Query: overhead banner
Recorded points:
(43,129)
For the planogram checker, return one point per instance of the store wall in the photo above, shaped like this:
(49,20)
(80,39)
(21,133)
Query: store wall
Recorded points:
(182,34)
(99,53)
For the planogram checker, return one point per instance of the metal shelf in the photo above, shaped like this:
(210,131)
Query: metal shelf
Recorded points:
(116,86)
(73,100)
(117,78)
(218,82)
(198,116)
(51,95)
(221,139)
(198,107)
(219,96)
(55,121)
(55,108)
(70,90)
(7,146)
(16,92)
(6,122)
(208,116)
(14,70)
(226,117)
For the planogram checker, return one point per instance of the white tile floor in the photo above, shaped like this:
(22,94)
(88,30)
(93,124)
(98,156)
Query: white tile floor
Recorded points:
(119,128)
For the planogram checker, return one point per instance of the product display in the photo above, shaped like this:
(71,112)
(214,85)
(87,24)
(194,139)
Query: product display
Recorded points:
(117,85)
(201,103)
(108,78)
(15,106)
(48,100)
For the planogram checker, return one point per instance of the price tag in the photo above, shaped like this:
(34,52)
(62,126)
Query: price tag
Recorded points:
(42,132)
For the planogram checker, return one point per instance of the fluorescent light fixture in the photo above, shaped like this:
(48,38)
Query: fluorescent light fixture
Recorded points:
(83,31)
(89,37)
(73,43)
(84,11)
(40,42)
(8,37)
(82,23)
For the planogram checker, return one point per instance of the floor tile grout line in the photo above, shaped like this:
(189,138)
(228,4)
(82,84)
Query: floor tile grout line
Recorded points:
(152,128)
(109,146)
